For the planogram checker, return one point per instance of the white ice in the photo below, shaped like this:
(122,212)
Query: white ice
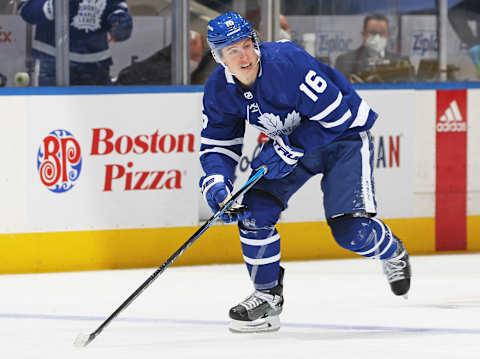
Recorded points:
(333,309)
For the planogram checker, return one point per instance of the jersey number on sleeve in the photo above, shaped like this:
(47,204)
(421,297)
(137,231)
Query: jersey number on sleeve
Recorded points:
(313,82)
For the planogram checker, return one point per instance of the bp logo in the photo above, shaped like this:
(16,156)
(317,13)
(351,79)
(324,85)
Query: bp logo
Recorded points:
(59,161)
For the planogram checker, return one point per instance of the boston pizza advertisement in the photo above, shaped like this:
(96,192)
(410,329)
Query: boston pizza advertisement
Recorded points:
(98,164)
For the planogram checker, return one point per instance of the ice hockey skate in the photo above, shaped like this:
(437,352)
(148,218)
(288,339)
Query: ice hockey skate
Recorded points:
(259,312)
(398,272)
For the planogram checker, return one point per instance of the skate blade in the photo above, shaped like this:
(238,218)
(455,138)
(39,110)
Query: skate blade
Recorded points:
(269,324)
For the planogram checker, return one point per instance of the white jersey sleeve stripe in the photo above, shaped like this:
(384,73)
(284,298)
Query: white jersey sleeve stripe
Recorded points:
(260,242)
(362,115)
(222,151)
(209,141)
(329,109)
(338,122)
(260,261)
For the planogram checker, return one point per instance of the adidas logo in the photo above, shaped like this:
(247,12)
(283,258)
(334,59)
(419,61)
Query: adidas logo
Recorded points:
(452,120)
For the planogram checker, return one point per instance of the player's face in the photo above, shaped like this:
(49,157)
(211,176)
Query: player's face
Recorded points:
(242,61)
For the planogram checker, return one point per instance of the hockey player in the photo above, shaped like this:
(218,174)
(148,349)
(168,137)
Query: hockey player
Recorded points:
(90,21)
(317,123)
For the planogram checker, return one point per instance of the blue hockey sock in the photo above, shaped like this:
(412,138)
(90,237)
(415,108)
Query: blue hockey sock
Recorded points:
(260,240)
(261,253)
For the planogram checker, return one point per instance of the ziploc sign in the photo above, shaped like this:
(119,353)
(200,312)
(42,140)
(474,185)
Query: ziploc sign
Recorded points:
(451,170)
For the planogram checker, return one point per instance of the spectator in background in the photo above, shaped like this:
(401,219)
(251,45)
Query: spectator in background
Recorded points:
(459,15)
(205,67)
(372,62)
(254,16)
(285,30)
(157,69)
(90,22)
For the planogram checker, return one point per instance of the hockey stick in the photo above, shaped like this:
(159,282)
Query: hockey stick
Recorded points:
(83,340)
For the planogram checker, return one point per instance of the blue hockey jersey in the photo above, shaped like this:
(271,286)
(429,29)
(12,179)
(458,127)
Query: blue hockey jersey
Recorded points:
(88,29)
(294,94)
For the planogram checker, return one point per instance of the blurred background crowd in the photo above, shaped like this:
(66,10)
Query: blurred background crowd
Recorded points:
(162,42)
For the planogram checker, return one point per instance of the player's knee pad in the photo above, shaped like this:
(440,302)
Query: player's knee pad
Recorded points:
(368,237)
(264,210)
(260,240)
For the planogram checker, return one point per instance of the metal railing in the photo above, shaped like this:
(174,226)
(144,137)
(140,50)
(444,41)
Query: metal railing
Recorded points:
(181,13)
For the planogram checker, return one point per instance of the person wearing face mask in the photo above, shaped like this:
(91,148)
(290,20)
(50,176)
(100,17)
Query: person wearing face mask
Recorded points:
(372,62)
(157,69)
(285,30)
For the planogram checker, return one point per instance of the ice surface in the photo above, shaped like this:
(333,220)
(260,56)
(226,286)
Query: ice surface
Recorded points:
(333,309)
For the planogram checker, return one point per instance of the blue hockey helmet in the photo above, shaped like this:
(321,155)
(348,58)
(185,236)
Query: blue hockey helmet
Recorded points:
(227,29)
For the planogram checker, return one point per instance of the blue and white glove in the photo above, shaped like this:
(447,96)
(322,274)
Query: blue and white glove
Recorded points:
(121,25)
(279,156)
(216,190)
(474,53)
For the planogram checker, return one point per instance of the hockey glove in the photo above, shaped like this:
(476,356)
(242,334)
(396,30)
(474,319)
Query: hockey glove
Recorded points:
(474,53)
(121,25)
(216,190)
(279,156)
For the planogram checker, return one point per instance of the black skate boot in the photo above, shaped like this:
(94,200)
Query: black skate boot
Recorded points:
(260,311)
(398,272)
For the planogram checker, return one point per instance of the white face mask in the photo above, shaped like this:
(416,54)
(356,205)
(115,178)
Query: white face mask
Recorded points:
(377,43)
(284,35)
(193,65)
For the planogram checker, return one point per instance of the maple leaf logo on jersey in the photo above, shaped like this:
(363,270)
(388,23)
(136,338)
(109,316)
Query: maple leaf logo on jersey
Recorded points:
(89,15)
(273,126)
(291,122)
